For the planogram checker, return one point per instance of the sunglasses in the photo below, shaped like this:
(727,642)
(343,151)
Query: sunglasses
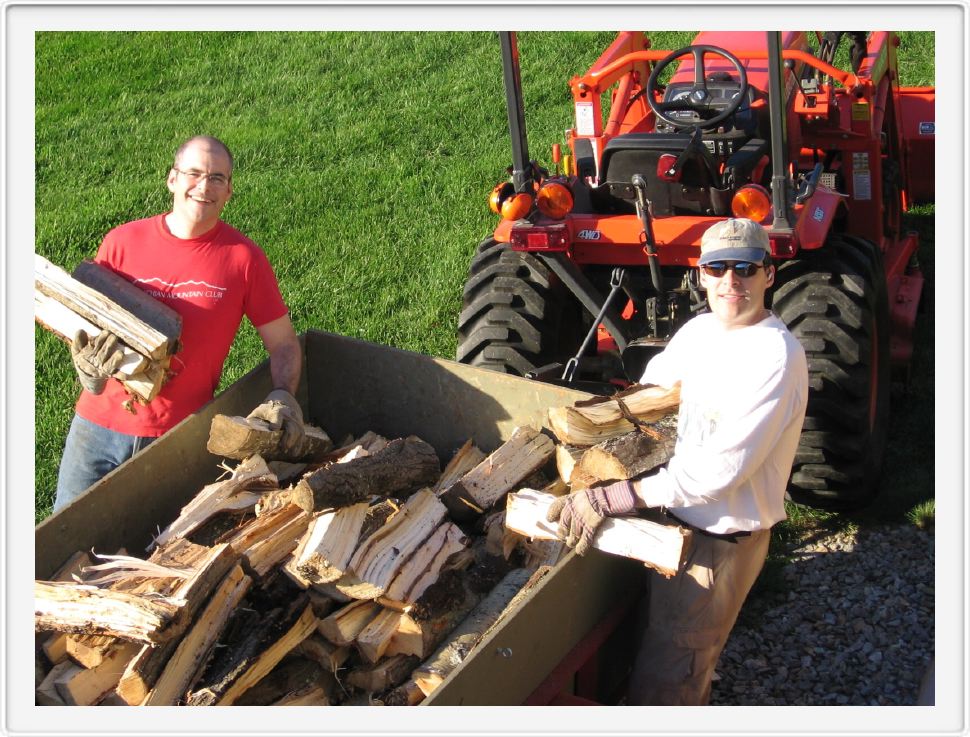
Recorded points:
(743,269)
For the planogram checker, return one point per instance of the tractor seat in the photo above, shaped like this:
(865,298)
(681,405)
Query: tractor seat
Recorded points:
(699,189)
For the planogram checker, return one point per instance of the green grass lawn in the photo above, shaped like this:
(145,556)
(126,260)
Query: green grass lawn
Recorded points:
(364,161)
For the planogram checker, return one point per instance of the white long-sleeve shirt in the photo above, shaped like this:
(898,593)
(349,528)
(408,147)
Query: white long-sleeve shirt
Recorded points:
(743,398)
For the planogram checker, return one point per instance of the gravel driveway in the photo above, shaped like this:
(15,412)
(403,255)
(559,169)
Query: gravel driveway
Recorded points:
(853,626)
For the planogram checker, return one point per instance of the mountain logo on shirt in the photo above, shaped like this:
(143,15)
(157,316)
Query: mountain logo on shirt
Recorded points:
(190,289)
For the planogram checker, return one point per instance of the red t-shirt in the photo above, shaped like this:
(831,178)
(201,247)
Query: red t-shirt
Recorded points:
(211,281)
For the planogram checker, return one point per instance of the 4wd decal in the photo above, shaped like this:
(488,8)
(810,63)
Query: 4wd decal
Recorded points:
(589,235)
(819,214)
(927,129)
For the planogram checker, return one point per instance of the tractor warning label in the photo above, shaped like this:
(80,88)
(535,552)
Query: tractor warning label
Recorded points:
(584,119)
(861,176)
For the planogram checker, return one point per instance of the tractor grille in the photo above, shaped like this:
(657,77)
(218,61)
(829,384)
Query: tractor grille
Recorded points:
(827,179)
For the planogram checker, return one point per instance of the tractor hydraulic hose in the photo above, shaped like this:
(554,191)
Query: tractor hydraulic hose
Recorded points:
(643,212)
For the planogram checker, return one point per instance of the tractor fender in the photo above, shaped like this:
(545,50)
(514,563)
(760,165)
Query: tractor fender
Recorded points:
(816,216)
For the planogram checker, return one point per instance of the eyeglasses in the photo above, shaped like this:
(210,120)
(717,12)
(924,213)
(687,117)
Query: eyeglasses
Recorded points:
(744,269)
(194,176)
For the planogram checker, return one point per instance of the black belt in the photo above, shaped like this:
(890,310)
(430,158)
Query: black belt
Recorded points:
(729,536)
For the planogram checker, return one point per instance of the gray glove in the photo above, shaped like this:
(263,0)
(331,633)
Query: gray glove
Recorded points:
(281,410)
(580,514)
(95,360)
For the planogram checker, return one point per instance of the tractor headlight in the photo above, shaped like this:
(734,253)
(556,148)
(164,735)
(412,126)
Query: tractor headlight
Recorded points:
(554,200)
(517,206)
(752,201)
(499,194)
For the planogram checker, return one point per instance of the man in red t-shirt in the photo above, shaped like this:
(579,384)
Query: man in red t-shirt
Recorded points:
(212,275)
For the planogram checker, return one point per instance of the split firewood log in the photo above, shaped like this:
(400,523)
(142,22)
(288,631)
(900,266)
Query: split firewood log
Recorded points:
(478,490)
(342,627)
(241,491)
(319,649)
(254,648)
(270,538)
(325,550)
(660,545)
(633,454)
(591,421)
(80,686)
(241,437)
(372,641)
(381,556)
(381,676)
(294,682)
(154,679)
(407,694)
(422,568)
(464,460)
(567,456)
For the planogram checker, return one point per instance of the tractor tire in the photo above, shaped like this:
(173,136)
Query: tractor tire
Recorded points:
(511,311)
(835,302)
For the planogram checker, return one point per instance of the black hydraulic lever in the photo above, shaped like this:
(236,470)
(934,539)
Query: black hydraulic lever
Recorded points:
(646,221)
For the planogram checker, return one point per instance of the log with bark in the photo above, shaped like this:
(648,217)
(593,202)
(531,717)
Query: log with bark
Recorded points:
(481,488)
(403,466)
(631,455)
(658,544)
(592,421)
(423,566)
(241,437)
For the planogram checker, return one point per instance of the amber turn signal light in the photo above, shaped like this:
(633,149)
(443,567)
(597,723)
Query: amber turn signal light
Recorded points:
(554,200)
(752,201)
(499,194)
(517,206)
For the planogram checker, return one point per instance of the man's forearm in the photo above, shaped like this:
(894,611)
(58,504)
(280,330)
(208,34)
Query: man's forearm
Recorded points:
(285,365)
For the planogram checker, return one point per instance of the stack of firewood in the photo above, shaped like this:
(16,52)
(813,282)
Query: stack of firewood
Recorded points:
(95,298)
(363,575)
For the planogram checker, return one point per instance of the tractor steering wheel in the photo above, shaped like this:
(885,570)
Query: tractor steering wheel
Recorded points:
(699,99)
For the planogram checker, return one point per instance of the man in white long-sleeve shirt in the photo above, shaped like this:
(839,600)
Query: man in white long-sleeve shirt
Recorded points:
(744,389)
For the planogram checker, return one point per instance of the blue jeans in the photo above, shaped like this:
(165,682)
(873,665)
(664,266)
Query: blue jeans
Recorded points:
(91,451)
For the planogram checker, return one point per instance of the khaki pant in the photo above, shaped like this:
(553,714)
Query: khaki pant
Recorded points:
(690,616)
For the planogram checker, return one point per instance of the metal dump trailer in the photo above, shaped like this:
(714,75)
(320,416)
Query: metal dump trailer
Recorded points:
(551,640)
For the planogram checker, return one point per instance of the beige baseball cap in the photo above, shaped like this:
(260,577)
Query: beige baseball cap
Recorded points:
(735,239)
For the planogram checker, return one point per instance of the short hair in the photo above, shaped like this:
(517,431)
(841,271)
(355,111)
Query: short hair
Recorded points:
(211,141)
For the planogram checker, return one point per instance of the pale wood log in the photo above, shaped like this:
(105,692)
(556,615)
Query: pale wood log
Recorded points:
(407,694)
(176,677)
(268,539)
(242,666)
(591,421)
(372,641)
(567,456)
(342,627)
(86,686)
(401,467)
(55,646)
(90,651)
(383,675)
(658,545)
(463,639)
(215,572)
(633,454)
(380,557)
(241,491)
(464,460)
(319,649)
(421,569)
(90,610)
(327,546)
(104,311)
(526,451)
(241,437)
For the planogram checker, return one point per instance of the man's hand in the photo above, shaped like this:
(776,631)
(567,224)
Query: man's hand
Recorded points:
(580,514)
(281,410)
(95,360)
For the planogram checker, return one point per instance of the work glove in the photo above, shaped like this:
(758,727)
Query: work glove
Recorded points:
(581,513)
(95,360)
(281,410)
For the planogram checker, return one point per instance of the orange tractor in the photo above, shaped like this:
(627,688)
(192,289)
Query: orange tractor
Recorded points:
(593,267)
